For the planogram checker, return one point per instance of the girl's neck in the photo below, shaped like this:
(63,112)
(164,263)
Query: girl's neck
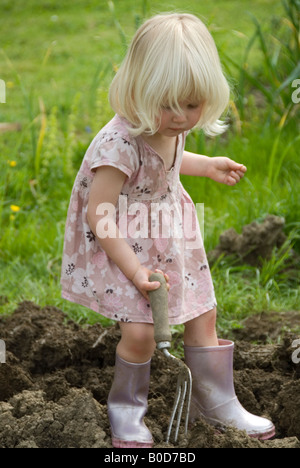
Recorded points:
(164,146)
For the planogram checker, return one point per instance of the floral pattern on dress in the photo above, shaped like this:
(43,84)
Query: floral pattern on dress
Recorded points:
(90,278)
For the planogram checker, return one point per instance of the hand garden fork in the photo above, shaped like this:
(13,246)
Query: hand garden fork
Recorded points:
(163,337)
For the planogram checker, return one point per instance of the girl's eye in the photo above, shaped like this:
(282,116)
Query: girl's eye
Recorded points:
(193,106)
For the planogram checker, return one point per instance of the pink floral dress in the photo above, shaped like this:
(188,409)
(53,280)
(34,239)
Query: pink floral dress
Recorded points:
(158,220)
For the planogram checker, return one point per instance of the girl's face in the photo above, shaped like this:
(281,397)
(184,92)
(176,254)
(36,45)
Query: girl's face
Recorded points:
(172,123)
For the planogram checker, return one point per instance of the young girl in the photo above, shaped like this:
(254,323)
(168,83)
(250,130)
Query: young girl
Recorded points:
(119,228)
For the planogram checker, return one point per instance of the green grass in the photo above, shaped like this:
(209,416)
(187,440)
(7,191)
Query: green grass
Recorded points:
(57,59)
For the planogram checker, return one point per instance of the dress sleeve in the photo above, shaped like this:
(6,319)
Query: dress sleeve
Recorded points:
(116,151)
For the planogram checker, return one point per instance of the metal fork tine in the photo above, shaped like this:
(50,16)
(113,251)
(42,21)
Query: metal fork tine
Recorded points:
(188,400)
(176,401)
(186,380)
(180,409)
(182,398)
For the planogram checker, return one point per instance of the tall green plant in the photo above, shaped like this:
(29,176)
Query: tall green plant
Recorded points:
(281,63)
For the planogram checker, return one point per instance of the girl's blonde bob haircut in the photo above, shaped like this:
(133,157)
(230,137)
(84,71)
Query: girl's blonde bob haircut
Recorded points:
(172,59)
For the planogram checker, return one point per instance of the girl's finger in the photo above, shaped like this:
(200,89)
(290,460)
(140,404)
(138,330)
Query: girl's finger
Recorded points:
(162,273)
(165,276)
(234,175)
(151,285)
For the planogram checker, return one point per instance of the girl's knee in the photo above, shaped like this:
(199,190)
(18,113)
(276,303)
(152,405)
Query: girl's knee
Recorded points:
(141,335)
(138,339)
(210,319)
(201,331)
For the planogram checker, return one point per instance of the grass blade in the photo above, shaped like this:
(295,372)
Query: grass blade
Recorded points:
(39,145)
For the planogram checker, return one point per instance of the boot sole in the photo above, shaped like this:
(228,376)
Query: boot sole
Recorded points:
(118,443)
(222,428)
(265,436)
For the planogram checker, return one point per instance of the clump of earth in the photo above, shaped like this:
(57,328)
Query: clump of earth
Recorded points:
(255,243)
(57,375)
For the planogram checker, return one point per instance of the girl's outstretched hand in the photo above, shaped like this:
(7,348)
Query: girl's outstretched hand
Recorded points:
(225,171)
(142,283)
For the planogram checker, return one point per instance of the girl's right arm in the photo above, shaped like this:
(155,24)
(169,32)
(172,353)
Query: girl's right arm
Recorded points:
(106,188)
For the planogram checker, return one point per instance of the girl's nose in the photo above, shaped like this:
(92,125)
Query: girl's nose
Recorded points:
(179,118)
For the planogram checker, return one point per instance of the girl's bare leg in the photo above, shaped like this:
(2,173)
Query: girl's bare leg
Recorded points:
(137,344)
(201,331)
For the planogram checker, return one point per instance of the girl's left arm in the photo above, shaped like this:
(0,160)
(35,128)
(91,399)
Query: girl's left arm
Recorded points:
(220,169)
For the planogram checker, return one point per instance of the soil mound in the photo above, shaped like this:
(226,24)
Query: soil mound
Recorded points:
(256,242)
(57,375)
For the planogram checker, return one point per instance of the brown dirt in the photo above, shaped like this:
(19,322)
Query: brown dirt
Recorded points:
(256,242)
(57,375)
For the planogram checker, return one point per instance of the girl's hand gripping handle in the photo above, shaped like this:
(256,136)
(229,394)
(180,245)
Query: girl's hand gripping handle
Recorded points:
(159,305)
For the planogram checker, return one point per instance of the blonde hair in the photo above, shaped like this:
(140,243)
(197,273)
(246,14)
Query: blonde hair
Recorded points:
(172,59)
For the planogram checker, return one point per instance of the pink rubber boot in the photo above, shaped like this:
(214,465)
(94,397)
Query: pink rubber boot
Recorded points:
(127,405)
(213,394)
